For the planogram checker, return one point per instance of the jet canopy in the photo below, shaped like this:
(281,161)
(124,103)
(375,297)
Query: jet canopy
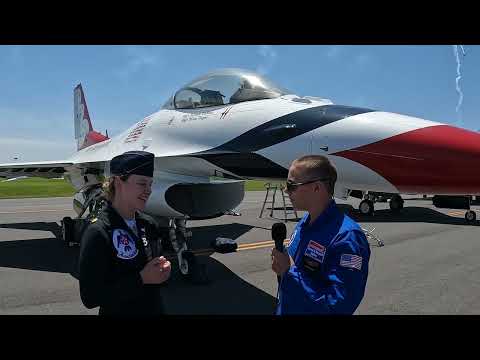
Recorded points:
(226,86)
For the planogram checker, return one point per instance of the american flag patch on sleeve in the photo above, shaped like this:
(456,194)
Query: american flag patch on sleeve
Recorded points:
(351,261)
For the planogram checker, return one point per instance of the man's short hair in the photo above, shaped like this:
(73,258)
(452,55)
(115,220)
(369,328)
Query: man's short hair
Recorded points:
(318,167)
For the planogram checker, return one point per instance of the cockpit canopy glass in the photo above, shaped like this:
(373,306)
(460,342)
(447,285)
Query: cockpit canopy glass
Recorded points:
(226,86)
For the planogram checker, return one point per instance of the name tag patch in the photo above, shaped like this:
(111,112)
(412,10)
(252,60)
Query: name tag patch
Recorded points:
(124,244)
(351,261)
(315,251)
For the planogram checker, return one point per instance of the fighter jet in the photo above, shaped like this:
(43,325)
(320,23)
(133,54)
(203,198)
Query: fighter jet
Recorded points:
(232,124)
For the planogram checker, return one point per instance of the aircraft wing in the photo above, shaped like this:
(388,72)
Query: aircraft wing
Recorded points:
(45,169)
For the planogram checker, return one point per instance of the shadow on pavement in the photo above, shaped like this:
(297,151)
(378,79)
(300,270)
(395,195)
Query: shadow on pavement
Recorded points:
(226,293)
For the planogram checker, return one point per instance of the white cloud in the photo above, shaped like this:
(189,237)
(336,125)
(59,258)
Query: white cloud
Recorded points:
(29,122)
(360,101)
(356,58)
(35,136)
(139,58)
(363,59)
(334,51)
(12,55)
(269,56)
(16,55)
(27,150)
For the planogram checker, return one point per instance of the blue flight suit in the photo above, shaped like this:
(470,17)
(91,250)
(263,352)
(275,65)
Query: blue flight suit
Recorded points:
(330,267)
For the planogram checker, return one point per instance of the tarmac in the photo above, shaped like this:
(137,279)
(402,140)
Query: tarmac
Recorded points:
(428,264)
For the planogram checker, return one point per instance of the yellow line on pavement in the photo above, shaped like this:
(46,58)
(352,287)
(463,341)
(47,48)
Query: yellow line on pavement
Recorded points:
(256,247)
(457,212)
(241,247)
(255,243)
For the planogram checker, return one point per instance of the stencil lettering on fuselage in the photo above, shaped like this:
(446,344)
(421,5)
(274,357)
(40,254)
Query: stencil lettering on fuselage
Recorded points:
(137,131)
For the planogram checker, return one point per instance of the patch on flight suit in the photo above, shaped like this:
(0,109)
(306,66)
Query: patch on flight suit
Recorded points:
(315,251)
(124,244)
(310,264)
(351,261)
(94,220)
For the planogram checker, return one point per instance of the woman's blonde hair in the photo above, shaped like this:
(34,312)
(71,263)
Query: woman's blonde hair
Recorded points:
(108,186)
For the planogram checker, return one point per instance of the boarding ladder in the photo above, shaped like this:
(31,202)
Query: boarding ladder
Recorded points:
(287,205)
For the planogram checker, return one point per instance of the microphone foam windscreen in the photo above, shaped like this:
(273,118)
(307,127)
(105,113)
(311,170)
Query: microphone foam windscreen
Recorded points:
(279,231)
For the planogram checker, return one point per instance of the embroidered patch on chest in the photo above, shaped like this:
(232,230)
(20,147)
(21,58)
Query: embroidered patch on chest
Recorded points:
(351,261)
(315,251)
(124,244)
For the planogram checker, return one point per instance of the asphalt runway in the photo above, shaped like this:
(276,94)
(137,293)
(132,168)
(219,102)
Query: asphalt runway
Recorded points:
(429,264)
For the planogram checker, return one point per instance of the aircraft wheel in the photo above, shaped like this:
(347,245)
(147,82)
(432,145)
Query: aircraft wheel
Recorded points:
(470,216)
(186,264)
(366,207)
(191,270)
(396,203)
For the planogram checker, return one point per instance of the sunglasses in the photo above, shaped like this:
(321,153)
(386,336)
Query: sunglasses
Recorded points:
(292,186)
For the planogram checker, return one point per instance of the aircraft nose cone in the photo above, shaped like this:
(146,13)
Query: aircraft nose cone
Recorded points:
(439,159)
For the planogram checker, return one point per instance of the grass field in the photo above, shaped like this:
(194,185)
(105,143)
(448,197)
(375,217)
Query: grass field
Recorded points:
(35,187)
(38,187)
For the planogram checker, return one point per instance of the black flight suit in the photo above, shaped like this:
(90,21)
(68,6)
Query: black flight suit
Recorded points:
(111,258)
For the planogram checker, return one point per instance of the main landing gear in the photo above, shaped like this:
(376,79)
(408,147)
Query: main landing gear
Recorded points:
(174,232)
(456,202)
(178,236)
(470,216)
(72,229)
(367,205)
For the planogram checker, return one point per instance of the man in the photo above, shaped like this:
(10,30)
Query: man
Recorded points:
(120,262)
(325,268)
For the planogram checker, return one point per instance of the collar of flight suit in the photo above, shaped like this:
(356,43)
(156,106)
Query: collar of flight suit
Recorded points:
(331,211)
(112,218)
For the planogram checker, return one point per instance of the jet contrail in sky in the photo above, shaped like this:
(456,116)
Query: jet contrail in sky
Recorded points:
(459,76)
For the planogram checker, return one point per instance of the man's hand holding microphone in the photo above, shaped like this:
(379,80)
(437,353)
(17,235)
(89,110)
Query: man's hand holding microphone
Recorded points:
(281,261)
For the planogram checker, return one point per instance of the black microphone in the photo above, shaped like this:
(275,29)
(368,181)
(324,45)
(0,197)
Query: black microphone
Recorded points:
(279,233)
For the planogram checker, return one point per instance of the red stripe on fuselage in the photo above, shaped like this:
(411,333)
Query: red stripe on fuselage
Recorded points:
(439,159)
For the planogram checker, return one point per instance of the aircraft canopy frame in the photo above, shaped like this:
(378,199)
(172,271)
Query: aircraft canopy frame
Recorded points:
(224,87)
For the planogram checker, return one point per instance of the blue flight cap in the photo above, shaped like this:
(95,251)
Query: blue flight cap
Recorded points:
(132,162)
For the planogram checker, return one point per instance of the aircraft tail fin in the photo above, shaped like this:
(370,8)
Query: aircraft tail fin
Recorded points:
(84,133)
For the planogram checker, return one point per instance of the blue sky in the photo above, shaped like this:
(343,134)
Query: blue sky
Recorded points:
(123,84)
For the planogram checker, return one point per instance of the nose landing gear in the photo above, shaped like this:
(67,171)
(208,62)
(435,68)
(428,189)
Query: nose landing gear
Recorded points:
(190,269)
(366,207)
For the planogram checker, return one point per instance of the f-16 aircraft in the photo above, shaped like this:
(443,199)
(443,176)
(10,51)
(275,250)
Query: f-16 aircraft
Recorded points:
(232,124)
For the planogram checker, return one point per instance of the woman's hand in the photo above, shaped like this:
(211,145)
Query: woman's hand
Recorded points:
(156,271)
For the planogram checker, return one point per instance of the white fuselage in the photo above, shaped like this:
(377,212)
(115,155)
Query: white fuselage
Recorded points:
(174,134)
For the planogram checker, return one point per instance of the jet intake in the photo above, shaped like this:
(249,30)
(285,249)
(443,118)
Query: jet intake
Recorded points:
(205,200)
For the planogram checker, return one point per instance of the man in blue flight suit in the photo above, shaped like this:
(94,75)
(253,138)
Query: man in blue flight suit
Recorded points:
(325,268)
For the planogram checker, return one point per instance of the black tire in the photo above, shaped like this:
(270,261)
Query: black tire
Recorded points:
(470,216)
(189,263)
(366,207)
(197,273)
(396,203)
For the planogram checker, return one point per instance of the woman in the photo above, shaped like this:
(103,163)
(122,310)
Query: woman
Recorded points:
(120,264)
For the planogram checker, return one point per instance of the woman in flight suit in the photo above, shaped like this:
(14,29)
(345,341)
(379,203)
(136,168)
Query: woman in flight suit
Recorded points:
(120,264)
